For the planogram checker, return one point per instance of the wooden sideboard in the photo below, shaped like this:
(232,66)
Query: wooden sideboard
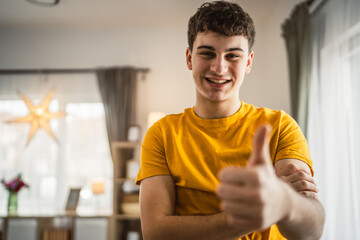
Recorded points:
(47,229)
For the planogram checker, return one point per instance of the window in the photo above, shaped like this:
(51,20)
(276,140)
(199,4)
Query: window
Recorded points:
(87,149)
(81,156)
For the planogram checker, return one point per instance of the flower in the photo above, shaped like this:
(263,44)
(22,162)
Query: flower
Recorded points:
(15,184)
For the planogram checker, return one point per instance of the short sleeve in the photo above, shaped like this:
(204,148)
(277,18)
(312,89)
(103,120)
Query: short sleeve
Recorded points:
(292,142)
(153,159)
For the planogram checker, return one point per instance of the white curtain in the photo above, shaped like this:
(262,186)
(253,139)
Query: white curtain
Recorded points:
(334,116)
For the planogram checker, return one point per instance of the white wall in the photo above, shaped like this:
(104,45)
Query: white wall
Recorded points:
(169,86)
(268,85)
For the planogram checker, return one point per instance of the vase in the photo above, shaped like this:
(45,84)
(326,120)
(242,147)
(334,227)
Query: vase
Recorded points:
(12,203)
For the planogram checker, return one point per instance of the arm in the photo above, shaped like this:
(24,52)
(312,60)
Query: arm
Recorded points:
(157,204)
(255,196)
(305,217)
(307,214)
(297,173)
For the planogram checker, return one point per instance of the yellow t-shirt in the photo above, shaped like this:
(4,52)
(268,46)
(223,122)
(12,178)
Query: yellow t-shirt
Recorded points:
(193,150)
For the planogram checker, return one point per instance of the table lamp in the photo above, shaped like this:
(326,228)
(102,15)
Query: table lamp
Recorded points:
(97,187)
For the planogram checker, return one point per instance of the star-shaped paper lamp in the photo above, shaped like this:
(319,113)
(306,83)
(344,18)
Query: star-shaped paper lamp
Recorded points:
(39,116)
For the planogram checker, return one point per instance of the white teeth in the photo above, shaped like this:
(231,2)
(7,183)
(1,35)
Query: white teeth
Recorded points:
(216,81)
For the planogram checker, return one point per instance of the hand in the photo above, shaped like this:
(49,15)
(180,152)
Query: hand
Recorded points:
(300,180)
(253,198)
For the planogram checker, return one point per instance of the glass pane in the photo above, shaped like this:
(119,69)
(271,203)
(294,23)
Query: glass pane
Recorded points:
(36,161)
(87,152)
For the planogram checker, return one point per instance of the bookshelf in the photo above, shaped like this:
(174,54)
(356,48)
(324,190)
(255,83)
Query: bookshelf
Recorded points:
(126,210)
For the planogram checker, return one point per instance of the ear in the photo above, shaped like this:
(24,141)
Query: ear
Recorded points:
(249,62)
(188,59)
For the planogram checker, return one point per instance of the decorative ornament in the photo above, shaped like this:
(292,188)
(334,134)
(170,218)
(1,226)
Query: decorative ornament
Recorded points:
(39,116)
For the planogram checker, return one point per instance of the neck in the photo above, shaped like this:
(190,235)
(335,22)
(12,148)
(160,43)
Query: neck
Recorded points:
(215,110)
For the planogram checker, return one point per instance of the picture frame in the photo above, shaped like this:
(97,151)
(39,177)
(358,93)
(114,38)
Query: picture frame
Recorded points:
(73,199)
(133,134)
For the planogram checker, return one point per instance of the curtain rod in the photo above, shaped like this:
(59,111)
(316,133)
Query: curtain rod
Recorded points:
(58,71)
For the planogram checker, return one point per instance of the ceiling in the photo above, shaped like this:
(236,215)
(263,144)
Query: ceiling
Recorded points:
(110,13)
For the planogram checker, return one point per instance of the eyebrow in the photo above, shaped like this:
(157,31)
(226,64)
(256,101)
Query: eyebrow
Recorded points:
(213,49)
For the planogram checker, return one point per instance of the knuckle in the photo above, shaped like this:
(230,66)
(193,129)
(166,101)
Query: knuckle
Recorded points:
(304,184)
(307,194)
(292,167)
(310,195)
(257,178)
(301,175)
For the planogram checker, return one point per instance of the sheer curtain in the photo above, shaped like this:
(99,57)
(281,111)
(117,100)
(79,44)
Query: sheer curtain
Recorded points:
(334,116)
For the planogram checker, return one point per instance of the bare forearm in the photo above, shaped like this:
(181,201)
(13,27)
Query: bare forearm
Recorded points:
(191,227)
(306,218)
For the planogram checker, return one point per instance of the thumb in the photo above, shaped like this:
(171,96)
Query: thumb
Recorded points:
(260,152)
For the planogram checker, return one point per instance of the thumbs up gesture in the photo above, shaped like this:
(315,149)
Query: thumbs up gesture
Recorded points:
(260,154)
(253,198)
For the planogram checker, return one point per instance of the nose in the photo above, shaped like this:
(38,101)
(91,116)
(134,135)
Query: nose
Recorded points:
(219,65)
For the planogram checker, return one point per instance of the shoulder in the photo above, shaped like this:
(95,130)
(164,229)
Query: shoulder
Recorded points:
(167,124)
(266,115)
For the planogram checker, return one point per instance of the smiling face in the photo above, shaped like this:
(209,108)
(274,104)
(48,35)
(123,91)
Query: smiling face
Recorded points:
(219,64)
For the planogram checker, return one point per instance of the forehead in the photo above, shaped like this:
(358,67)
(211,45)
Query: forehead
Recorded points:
(220,42)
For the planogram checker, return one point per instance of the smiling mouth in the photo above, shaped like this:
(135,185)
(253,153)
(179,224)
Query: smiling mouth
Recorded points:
(217,81)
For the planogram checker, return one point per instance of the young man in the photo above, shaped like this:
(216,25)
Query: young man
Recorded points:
(225,169)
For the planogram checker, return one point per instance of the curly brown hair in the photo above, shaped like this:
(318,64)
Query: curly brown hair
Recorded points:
(222,17)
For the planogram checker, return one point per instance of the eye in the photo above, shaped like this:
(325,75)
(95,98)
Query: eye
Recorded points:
(232,56)
(207,54)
